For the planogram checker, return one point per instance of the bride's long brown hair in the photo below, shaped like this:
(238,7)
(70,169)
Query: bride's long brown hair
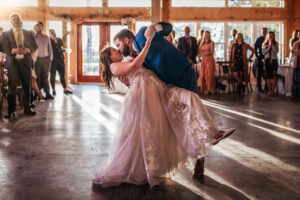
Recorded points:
(105,59)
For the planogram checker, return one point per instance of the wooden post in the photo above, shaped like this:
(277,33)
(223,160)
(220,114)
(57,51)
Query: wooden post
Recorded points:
(66,53)
(155,11)
(42,7)
(73,54)
(288,25)
(166,8)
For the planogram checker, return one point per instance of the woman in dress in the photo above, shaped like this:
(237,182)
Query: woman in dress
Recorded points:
(296,71)
(161,126)
(295,38)
(270,49)
(207,76)
(240,60)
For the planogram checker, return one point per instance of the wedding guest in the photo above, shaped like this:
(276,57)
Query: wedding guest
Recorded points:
(174,34)
(43,63)
(200,37)
(171,39)
(240,59)
(260,57)
(207,79)
(188,45)
(2,55)
(270,49)
(58,62)
(231,42)
(18,45)
(295,38)
(199,40)
(296,71)
(34,77)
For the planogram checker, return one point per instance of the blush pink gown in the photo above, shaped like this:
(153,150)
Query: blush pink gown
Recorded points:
(162,127)
(207,76)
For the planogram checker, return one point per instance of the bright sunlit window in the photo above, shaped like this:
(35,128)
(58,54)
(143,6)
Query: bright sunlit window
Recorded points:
(28,25)
(140,24)
(198,3)
(75,3)
(129,3)
(57,26)
(255,3)
(19,3)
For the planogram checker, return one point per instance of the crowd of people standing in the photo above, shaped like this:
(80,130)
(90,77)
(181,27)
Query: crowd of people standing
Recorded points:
(30,57)
(241,55)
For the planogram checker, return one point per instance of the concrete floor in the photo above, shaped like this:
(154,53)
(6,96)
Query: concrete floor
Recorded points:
(53,154)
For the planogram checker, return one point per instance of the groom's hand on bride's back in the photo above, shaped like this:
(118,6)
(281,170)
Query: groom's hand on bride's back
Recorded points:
(124,80)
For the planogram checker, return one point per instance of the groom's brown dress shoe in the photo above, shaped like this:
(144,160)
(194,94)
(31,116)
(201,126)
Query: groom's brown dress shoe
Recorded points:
(199,169)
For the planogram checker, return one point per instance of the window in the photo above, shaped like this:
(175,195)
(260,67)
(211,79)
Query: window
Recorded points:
(57,27)
(254,3)
(245,29)
(139,25)
(75,3)
(198,3)
(129,3)
(217,35)
(19,3)
(179,28)
(90,50)
(5,25)
(28,25)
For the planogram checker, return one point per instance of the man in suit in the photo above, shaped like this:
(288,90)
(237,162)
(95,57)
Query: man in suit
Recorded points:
(18,44)
(188,45)
(260,57)
(169,63)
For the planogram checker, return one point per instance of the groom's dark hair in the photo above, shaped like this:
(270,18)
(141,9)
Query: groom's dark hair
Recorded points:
(123,34)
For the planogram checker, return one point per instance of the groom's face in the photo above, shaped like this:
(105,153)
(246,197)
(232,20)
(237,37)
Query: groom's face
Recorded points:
(123,46)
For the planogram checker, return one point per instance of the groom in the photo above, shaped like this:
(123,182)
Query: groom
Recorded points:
(169,64)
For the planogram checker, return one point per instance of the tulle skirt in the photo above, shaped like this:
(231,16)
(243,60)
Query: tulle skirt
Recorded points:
(161,128)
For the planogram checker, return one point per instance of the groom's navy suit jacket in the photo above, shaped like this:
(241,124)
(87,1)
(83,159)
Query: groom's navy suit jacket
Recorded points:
(163,58)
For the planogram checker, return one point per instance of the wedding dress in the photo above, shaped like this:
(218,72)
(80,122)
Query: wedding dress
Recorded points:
(162,127)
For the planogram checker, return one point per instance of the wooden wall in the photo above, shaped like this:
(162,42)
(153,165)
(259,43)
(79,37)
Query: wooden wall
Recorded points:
(290,16)
(297,14)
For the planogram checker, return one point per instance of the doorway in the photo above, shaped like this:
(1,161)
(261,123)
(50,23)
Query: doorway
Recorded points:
(92,37)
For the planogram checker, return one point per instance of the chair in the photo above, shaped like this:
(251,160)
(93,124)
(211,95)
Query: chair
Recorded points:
(3,84)
(248,83)
(4,87)
(225,73)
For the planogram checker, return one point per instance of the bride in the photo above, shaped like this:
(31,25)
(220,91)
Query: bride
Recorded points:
(162,127)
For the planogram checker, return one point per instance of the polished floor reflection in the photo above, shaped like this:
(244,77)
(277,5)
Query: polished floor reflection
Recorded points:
(53,154)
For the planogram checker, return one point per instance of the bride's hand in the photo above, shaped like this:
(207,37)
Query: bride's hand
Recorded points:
(149,39)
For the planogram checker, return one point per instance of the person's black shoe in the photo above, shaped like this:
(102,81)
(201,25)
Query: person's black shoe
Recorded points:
(68,91)
(29,112)
(53,93)
(32,105)
(48,96)
(10,115)
(35,97)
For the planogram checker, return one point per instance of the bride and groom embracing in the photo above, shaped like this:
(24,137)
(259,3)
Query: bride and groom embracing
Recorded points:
(163,123)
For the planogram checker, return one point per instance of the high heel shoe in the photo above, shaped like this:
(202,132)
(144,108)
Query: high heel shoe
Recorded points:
(41,97)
